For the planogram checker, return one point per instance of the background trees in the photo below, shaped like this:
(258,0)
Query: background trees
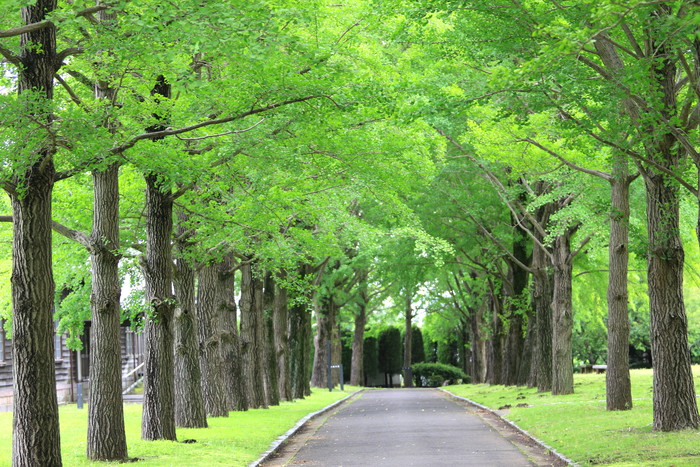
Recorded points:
(350,163)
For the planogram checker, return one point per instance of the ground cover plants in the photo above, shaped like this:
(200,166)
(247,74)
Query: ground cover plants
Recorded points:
(236,440)
(578,426)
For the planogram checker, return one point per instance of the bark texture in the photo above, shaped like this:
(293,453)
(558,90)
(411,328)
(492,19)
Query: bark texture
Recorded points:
(495,343)
(280,330)
(210,327)
(357,368)
(250,306)
(189,403)
(233,378)
(618,387)
(36,438)
(158,421)
(106,437)
(325,322)
(562,316)
(271,371)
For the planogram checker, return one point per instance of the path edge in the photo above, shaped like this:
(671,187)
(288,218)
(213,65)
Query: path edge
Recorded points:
(276,444)
(514,426)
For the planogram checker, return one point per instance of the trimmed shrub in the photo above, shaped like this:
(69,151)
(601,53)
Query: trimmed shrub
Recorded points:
(371,357)
(390,350)
(432,375)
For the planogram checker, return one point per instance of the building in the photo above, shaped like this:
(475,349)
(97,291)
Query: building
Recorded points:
(73,366)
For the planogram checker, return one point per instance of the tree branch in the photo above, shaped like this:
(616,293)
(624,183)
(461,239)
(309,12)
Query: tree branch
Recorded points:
(218,121)
(71,234)
(9,56)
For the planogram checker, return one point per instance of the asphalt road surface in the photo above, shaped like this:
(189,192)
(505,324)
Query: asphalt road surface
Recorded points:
(410,427)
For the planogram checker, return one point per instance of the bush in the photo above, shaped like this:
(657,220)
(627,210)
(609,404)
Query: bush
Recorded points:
(432,375)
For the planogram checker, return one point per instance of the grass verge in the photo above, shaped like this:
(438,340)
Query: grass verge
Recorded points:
(579,427)
(236,440)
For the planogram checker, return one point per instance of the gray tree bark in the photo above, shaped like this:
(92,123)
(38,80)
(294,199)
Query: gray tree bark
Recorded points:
(36,437)
(158,420)
(210,326)
(189,403)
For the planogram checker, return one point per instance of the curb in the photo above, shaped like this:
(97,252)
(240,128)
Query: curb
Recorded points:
(292,431)
(562,457)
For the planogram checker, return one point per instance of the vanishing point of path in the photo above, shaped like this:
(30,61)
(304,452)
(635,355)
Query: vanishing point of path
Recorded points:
(410,427)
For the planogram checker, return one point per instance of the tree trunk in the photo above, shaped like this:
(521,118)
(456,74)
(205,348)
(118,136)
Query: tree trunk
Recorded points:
(251,306)
(271,373)
(477,344)
(562,316)
(357,369)
(495,343)
(189,402)
(618,387)
(158,421)
(236,398)
(542,298)
(675,406)
(280,329)
(407,342)
(325,322)
(210,328)
(526,374)
(106,438)
(36,437)
(299,350)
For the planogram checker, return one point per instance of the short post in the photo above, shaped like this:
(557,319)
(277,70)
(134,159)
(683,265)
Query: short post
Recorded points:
(342,378)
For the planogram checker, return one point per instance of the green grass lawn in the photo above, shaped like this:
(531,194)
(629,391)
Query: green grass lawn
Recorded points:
(578,426)
(234,441)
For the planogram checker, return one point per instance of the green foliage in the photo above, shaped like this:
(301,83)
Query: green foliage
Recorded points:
(432,375)
(389,350)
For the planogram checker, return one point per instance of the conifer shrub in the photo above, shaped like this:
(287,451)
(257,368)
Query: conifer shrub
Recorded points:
(432,375)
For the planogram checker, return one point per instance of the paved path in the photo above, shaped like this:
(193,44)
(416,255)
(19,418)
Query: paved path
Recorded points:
(405,427)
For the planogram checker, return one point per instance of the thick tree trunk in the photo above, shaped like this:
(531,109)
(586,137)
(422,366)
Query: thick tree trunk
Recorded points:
(407,342)
(250,306)
(562,317)
(618,387)
(189,402)
(35,420)
(495,343)
(210,326)
(297,349)
(478,344)
(357,368)
(525,373)
(36,438)
(542,299)
(106,437)
(675,405)
(158,421)
(236,398)
(280,330)
(271,373)
(325,322)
